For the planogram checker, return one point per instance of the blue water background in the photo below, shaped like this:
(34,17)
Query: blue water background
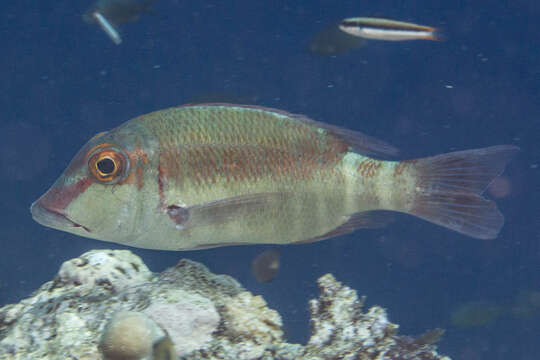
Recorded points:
(62,81)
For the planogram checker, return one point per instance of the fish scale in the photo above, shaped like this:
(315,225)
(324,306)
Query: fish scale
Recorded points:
(235,128)
(222,160)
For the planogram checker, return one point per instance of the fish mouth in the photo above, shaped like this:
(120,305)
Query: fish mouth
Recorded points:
(52,218)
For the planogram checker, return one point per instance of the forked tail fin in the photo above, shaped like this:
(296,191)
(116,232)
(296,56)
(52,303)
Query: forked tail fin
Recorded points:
(449,188)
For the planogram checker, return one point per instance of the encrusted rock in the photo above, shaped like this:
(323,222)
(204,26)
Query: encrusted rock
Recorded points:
(250,322)
(337,317)
(190,312)
(189,318)
(108,270)
(340,330)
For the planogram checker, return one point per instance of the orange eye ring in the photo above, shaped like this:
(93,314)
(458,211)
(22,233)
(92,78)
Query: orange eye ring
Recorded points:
(108,165)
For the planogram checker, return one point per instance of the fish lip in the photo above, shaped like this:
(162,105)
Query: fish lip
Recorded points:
(52,218)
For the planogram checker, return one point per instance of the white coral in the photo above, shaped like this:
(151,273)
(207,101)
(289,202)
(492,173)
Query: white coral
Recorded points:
(247,317)
(111,269)
(189,318)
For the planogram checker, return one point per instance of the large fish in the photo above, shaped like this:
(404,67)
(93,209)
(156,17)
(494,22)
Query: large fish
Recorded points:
(207,175)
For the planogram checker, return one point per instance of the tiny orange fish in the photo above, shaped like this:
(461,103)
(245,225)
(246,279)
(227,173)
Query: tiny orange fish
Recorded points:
(199,176)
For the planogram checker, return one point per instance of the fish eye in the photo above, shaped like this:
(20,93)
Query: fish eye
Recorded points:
(107,165)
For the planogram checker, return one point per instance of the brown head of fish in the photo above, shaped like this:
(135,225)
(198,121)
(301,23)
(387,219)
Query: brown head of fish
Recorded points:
(200,176)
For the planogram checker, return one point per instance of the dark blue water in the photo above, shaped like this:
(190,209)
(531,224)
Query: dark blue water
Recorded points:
(62,81)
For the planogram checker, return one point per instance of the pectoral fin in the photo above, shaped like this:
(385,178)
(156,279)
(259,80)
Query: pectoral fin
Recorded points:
(221,211)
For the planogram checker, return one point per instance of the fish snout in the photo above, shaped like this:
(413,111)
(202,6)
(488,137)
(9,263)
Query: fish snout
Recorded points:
(50,209)
(49,217)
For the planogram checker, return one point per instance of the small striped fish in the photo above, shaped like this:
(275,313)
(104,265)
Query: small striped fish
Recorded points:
(199,176)
(386,29)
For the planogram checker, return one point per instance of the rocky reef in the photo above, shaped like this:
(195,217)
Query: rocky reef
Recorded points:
(106,304)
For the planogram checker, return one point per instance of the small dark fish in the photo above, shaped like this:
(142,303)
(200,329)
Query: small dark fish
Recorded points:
(475,314)
(266,265)
(526,304)
(332,41)
(429,337)
(386,29)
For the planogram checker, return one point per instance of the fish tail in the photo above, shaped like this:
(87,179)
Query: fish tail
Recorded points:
(436,35)
(448,190)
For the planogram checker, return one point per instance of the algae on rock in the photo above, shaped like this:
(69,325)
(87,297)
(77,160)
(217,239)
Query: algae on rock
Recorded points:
(206,316)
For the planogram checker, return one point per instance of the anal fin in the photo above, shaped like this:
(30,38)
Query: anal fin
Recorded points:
(361,220)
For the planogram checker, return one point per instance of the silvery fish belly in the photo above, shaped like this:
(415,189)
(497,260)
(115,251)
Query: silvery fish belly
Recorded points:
(207,175)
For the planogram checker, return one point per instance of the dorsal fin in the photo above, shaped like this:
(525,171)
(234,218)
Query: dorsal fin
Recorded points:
(359,142)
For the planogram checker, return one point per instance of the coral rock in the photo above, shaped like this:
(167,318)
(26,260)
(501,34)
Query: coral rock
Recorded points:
(340,330)
(248,319)
(109,300)
(109,270)
(189,318)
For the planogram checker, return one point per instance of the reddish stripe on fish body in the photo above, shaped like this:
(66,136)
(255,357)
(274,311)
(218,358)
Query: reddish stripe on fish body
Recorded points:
(169,168)
(162,184)
(210,143)
(206,164)
(139,177)
(138,155)
(401,166)
(136,177)
(59,197)
(368,168)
